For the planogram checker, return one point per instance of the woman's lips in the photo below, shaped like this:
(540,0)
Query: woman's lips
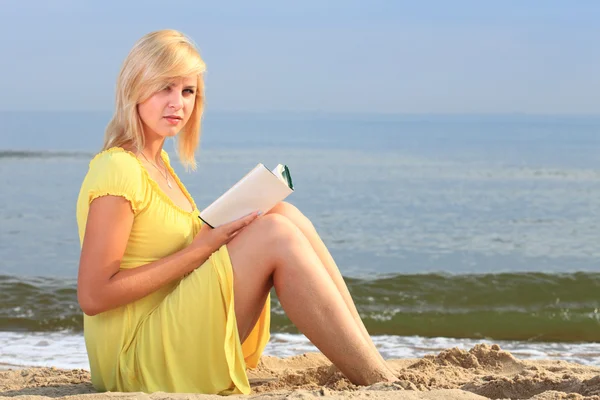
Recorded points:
(173,120)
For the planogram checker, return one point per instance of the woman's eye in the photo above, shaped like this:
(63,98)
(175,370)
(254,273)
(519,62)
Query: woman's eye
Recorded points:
(191,91)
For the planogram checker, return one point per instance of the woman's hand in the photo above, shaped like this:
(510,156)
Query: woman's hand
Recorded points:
(213,239)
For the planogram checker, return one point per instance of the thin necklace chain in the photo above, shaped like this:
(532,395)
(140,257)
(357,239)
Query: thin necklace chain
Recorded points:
(159,170)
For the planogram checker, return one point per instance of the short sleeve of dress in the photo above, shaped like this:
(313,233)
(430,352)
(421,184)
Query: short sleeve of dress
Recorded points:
(116,173)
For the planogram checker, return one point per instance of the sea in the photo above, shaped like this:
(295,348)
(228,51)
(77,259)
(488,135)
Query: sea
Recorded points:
(450,230)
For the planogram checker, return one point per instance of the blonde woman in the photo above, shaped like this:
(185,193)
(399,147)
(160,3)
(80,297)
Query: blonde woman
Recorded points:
(169,303)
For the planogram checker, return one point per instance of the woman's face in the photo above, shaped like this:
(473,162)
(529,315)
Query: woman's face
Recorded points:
(168,110)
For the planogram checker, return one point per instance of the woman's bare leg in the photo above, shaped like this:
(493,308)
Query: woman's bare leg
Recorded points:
(305,225)
(272,251)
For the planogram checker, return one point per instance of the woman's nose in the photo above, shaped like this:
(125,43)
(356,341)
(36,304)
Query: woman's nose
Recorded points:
(175,100)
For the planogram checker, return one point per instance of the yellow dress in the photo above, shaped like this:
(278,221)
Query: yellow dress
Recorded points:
(183,337)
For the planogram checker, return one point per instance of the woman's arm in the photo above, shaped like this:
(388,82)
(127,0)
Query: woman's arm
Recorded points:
(101,284)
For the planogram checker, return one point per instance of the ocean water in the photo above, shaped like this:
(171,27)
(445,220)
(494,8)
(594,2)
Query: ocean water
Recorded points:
(450,230)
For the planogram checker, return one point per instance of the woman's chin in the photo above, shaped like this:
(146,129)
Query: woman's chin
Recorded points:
(170,133)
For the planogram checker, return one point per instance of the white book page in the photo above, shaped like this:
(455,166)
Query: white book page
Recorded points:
(259,190)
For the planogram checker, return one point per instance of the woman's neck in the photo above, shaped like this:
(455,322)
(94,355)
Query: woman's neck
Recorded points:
(153,148)
(153,145)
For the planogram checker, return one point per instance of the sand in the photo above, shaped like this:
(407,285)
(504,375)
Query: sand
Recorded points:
(482,372)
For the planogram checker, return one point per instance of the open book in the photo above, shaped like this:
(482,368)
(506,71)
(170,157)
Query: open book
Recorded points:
(259,190)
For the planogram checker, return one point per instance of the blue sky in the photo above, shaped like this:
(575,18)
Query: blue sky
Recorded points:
(327,56)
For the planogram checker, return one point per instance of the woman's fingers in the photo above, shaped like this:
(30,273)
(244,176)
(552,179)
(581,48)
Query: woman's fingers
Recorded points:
(233,227)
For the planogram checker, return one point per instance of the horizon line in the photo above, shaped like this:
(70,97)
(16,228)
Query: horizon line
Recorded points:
(346,113)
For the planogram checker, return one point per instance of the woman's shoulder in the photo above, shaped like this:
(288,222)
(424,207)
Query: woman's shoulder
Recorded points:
(116,166)
(115,158)
(114,171)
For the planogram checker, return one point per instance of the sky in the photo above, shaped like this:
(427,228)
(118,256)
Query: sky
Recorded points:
(369,56)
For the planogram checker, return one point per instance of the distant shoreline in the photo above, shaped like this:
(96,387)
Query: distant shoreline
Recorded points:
(346,114)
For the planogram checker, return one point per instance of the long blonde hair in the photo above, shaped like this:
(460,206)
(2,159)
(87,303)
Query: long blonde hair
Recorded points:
(155,59)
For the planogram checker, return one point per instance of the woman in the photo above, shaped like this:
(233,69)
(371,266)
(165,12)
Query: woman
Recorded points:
(157,287)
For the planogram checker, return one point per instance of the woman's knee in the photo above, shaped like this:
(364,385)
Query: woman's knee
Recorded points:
(258,246)
(271,238)
(275,230)
(266,234)
(284,208)
(292,212)
(281,238)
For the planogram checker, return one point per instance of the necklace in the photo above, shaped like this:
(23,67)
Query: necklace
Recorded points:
(158,169)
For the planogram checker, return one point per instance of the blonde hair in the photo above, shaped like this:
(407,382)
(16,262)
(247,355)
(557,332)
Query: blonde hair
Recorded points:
(155,59)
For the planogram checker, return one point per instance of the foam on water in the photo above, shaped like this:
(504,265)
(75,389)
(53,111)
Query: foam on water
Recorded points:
(67,350)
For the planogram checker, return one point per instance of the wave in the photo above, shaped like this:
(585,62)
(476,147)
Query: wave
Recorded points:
(510,306)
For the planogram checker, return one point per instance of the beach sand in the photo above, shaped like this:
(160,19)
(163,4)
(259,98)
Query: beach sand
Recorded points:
(482,372)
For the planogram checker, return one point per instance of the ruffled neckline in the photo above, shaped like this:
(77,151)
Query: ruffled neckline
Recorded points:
(155,186)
